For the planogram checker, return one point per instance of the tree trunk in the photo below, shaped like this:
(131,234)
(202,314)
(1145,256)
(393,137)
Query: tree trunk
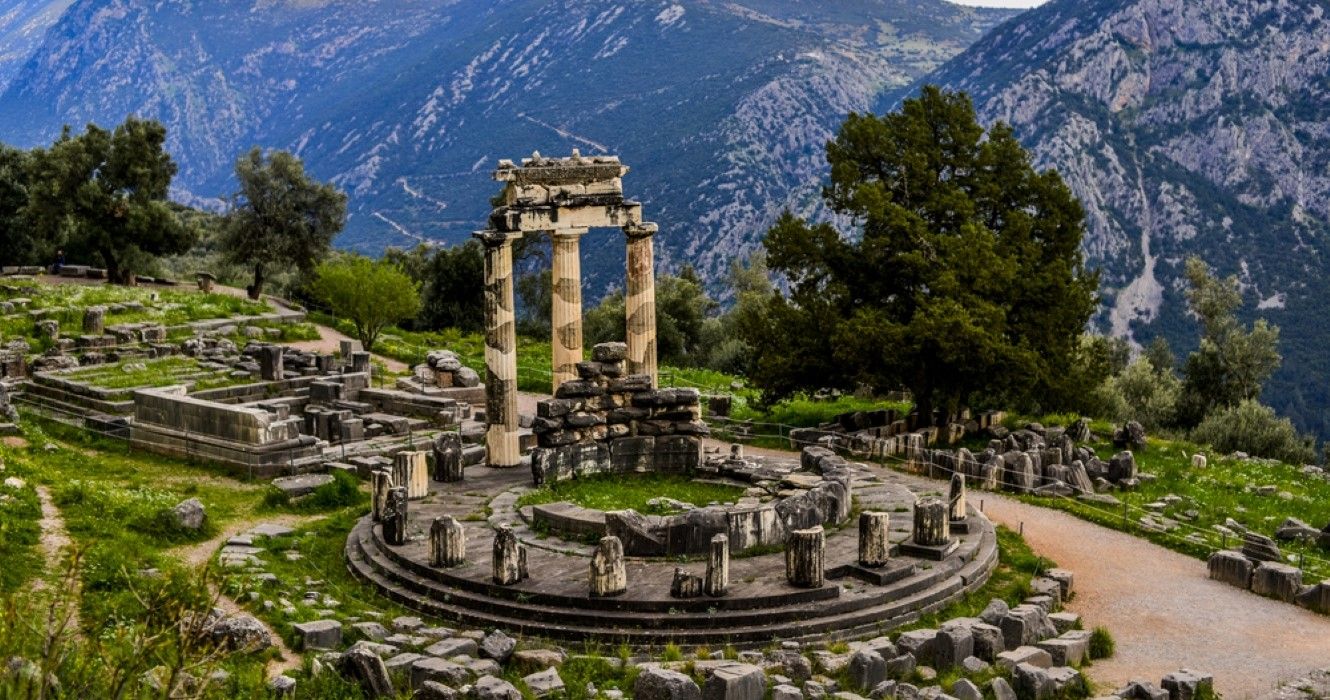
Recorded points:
(256,291)
(114,275)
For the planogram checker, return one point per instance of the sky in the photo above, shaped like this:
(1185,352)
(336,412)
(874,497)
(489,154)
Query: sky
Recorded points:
(1000,3)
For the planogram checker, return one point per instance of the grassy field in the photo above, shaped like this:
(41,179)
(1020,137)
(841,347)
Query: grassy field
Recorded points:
(615,493)
(136,568)
(164,371)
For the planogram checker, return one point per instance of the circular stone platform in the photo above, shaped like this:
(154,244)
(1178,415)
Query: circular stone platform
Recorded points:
(759,607)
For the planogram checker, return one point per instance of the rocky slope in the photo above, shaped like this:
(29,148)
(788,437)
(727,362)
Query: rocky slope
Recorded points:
(721,108)
(23,25)
(1185,128)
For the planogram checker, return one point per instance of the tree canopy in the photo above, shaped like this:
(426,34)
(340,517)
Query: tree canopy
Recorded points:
(1232,363)
(962,274)
(280,216)
(371,294)
(104,193)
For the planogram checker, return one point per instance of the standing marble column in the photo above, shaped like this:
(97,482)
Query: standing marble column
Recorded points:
(874,546)
(931,526)
(501,439)
(447,542)
(956,499)
(394,517)
(718,567)
(566,308)
(381,480)
(805,557)
(640,303)
(509,557)
(609,573)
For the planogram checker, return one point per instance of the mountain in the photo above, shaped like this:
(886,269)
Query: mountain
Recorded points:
(23,25)
(720,108)
(1186,128)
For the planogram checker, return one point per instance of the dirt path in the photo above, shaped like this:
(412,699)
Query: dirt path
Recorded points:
(199,554)
(1163,610)
(54,543)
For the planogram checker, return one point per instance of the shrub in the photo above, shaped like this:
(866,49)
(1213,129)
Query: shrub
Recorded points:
(1255,429)
(1143,394)
(1102,645)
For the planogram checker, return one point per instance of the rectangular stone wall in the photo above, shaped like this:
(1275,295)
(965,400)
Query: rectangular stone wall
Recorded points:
(171,408)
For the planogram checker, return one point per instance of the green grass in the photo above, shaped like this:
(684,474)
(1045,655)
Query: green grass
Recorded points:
(1225,489)
(165,371)
(617,493)
(20,512)
(65,303)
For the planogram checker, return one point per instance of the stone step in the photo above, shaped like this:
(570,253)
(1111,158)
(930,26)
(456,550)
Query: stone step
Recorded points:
(818,621)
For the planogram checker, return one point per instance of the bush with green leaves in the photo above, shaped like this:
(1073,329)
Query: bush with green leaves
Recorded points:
(1255,429)
(1102,645)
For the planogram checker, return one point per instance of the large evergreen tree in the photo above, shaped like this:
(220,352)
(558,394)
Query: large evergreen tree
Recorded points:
(280,216)
(963,273)
(17,244)
(105,193)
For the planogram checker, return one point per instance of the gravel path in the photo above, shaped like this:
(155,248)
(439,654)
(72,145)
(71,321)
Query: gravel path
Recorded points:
(1163,610)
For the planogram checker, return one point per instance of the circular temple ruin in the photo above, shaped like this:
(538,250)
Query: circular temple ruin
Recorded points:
(465,552)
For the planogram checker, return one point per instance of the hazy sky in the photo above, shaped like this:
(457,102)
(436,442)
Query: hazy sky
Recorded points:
(1000,3)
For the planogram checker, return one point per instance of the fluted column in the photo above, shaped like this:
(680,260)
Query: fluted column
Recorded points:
(501,440)
(640,304)
(566,311)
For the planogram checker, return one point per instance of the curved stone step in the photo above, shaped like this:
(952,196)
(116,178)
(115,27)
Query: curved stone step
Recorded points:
(517,611)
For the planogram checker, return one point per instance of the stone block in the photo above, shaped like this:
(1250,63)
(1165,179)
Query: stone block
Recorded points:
(319,634)
(492,688)
(654,683)
(1231,568)
(867,669)
(1070,649)
(953,643)
(1021,626)
(678,454)
(453,646)
(1278,581)
(918,643)
(736,682)
(1033,656)
(542,683)
(1188,685)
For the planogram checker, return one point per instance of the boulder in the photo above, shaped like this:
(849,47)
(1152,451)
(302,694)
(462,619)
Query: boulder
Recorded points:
(1231,568)
(1277,580)
(1130,436)
(867,669)
(319,634)
(1188,685)
(189,515)
(431,690)
(1260,548)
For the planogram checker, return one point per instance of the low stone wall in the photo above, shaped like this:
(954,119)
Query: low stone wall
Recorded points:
(168,421)
(451,407)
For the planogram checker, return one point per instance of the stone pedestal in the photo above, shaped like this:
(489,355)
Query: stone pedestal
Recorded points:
(509,557)
(448,457)
(270,363)
(394,517)
(447,542)
(874,545)
(566,304)
(640,301)
(717,581)
(609,575)
(956,504)
(411,471)
(805,557)
(381,481)
(94,320)
(501,439)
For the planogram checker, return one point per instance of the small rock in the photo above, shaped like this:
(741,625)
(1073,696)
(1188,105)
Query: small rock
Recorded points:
(190,515)
(544,683)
